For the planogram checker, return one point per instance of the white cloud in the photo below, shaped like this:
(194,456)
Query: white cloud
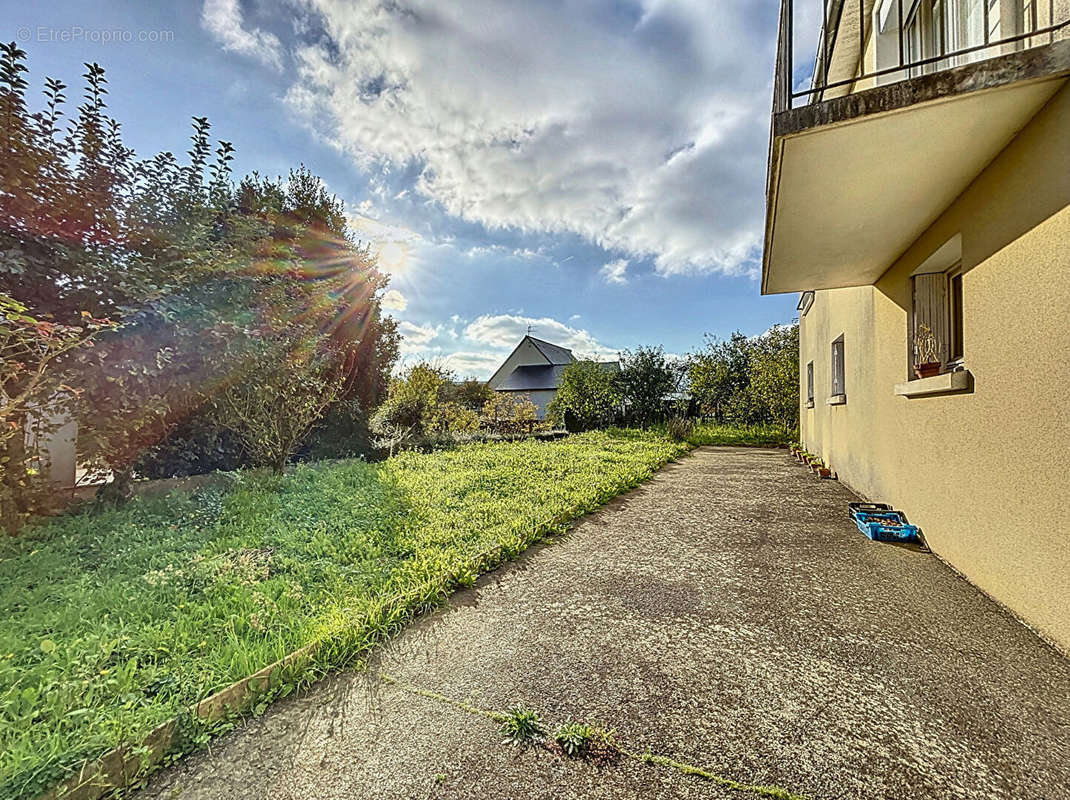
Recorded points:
(479,365)
(640,127)
(368,229)
(394,300)
(504,331)
(481,346)
(223,19)
(615,271)
(415,338)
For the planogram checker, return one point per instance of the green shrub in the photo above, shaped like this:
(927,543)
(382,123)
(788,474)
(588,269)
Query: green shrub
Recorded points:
(680,429)
(587,398)
(507,414)
(647,380)
(215,292)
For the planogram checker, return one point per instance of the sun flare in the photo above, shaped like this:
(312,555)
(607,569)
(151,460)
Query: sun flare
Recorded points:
(392,256)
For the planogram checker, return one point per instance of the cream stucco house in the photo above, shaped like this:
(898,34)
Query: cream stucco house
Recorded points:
(919,199)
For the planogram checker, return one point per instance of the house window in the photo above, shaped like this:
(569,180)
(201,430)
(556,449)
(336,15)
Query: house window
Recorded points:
(810,385)
(955,320)
(937,341)
(837,368)
(933,28)
(1028,15)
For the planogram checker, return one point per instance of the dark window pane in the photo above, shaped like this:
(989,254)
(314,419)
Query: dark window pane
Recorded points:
(956,318)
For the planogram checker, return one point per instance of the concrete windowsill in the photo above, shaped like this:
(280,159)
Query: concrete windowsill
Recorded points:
(947,383)
(837,400)
(809,403)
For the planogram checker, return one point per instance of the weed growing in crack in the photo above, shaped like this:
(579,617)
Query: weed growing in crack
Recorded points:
(580,740)
(574,737)
(522,726)
(594,744)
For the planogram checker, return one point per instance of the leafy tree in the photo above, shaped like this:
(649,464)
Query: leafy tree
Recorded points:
(774,375)
(749,380)
(29,349)
(588,397)
(197,273)
(471,393)
(719,377)
(646,380)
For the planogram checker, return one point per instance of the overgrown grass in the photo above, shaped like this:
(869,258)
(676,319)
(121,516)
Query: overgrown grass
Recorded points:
(741,435)
(112,621)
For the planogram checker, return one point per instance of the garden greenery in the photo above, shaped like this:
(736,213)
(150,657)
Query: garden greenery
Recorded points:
(115,619)
(189,279)
(588,397)
(426,406)
(749,380)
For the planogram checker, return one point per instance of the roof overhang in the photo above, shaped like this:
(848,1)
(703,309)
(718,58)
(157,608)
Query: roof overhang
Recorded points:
(855,180)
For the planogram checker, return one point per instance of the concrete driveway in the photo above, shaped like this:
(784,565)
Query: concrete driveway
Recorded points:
(727,614)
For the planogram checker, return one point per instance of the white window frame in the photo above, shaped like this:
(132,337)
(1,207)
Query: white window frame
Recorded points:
(838,371)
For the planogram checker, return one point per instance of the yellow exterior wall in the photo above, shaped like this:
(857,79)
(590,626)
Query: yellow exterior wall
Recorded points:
(985,474)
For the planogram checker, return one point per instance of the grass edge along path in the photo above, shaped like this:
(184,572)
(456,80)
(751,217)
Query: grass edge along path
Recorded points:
(129,764)
(776,792)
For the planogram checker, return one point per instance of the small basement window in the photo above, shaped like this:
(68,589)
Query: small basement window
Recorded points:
(810,385)
(838,389)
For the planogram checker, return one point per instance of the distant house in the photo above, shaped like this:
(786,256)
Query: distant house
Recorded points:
(534,370)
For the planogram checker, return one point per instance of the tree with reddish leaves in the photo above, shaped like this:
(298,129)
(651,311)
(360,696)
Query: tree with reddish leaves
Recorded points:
(201,277)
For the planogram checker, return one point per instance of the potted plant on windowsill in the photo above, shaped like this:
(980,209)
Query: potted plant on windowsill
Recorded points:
(927,359)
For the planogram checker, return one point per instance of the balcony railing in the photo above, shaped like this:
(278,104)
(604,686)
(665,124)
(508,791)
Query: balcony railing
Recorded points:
(915,37)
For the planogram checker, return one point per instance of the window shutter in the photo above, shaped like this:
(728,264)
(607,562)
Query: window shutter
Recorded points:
(931,309)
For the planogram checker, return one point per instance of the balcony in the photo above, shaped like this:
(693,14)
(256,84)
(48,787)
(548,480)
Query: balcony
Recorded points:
(907,102)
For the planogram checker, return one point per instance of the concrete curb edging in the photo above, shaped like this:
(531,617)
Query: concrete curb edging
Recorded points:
(122,766)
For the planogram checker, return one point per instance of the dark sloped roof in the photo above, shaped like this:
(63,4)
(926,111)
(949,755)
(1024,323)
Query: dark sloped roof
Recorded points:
(533,378)
(555,354)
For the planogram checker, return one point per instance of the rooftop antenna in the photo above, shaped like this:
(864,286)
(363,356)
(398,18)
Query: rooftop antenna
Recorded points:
(530,329)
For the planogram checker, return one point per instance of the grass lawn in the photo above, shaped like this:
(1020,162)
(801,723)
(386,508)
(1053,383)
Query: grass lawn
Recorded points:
(742,435)
(112,621)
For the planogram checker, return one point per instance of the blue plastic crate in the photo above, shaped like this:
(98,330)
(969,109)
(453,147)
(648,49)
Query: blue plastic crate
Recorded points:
(888,530)
(881,523)
(866,508)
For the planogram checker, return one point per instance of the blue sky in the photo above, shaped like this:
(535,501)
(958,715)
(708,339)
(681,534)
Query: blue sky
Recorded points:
(593,169)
